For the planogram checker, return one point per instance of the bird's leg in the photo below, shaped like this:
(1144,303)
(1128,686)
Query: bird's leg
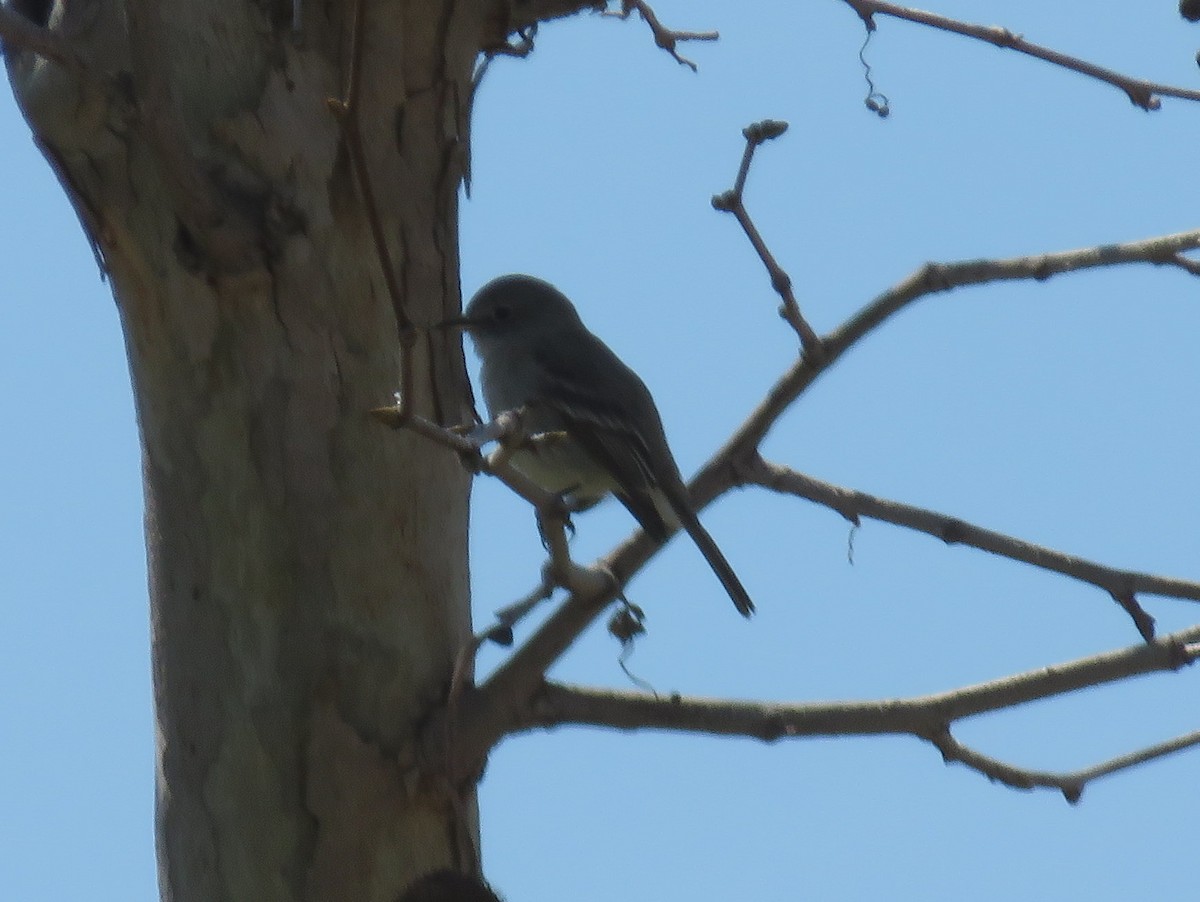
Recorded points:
(567,505)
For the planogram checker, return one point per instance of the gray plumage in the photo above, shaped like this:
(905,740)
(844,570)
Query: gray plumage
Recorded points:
(537,354)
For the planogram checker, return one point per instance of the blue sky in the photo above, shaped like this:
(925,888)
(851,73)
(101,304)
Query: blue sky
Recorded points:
(1062,412)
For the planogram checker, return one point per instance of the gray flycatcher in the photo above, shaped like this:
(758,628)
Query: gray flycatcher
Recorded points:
(538,355)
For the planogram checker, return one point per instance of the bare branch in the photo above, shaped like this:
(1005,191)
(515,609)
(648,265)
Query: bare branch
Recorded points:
(507,429)
(556,704)
(507,617)
(1141,93)
(522,674)
(925,717)
(16,31)
(485,714)
(731,201)
(399,417)
(553,514)
(853,504)
(522,15)
(664,37)
(1071,784)
(1124,762)
(1187,264)
(932,278)
(1143,621)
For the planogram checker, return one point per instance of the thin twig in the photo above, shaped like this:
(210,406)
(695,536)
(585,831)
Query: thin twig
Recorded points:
(523,16)
(1141,93)
(553,513)
(1070,783)
(732,201)
(486,716)
(509,616)
(925,717)
(1187,264)
(664,37)
(770,721)
(853,504)
(398,418)
(522,673)
(507,429)
(932,278)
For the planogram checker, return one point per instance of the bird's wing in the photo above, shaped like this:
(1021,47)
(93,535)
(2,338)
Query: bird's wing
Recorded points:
(600,427)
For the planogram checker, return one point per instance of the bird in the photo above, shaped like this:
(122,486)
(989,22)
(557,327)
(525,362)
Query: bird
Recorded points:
(537,355)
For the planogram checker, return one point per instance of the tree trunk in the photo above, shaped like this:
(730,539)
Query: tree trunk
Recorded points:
(308,578)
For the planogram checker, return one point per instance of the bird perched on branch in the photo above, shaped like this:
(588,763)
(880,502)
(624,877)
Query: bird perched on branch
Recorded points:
(539,356)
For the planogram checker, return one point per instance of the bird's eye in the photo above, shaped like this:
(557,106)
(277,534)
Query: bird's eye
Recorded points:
(501,313)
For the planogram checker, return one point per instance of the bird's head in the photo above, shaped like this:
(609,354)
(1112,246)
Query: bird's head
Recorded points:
(512,304)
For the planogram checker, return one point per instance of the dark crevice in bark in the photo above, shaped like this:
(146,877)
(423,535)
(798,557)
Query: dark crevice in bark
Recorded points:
(36,11)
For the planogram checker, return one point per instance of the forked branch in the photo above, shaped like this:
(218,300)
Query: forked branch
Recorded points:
(1122,585)
(481,717)
(733,201)
(522,673)
(1141,93)
(926,717)
(666,38)
(520,18)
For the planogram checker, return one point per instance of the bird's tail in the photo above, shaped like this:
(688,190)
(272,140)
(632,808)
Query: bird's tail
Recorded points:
(661,512)
(708,547)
